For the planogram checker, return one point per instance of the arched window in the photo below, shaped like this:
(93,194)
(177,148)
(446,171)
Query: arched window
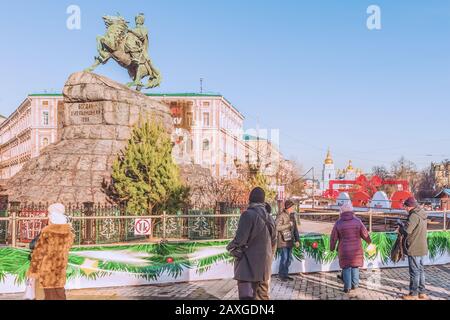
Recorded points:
(206,145)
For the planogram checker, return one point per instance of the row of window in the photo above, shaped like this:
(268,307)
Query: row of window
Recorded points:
(16,150)
(24,123)
(189,103)
(23,147)
(191,122)
(15,128)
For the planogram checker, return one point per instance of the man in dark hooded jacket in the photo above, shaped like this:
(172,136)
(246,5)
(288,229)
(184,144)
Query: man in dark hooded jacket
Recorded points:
(252,248)
(415,231)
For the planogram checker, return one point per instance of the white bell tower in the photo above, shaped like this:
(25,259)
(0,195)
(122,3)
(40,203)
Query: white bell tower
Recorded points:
(328,172)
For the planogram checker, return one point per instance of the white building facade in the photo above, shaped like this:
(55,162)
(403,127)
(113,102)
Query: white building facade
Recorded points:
(211,126)
(209,130)
(29,129)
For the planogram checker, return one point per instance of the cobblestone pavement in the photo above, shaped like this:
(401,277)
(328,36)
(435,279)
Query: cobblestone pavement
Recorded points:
(384,284)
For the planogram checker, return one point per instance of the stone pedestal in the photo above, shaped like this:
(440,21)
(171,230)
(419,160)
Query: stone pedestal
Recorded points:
(99,115)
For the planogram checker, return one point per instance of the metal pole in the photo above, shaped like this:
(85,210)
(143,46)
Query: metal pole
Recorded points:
(89,226)
(164,225)
(445,218)
(314,189)
(13,231)
(370,220)
(14,208)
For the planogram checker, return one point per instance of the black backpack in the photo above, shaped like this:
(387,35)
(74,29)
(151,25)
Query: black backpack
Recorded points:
(33,244)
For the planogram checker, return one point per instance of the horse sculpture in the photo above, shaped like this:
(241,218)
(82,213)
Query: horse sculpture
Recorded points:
(129,47)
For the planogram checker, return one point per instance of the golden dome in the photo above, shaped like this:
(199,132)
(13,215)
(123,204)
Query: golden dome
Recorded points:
(328,159)
(350,166)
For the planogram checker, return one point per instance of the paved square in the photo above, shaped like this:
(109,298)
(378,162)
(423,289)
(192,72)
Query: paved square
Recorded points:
(384,284)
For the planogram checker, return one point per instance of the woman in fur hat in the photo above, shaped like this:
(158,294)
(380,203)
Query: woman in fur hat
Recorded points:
(50,256)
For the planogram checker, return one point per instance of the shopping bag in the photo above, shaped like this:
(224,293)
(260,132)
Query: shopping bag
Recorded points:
(30,290)
(371,249)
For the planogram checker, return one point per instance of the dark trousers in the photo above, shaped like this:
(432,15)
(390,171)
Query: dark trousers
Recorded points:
(55,294)
(285,262)
(247,290)
(416,275)
(254,290)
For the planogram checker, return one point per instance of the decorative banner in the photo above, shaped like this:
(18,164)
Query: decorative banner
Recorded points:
(142,227)
(154,263)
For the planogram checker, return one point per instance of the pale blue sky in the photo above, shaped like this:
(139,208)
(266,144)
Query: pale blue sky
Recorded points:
(310,68)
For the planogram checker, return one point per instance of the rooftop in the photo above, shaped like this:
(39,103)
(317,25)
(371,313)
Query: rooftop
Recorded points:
(161,94)
(45,95)
(249,137)
(185,94)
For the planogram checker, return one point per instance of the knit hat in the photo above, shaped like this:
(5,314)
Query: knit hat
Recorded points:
(347,207)
(56,213)
(410,202)
(288,204)
(257,195)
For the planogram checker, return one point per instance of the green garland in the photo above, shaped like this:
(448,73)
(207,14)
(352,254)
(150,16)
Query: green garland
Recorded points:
(16,261)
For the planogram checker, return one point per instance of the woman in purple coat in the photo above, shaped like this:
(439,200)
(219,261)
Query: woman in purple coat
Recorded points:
(347,233)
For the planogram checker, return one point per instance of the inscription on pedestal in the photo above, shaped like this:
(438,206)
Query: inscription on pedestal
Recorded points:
(86,113)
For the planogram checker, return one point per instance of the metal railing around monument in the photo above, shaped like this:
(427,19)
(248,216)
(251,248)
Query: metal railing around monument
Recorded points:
(105,225)
(99,224)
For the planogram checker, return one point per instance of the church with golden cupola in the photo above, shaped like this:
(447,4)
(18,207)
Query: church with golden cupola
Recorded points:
(329,172)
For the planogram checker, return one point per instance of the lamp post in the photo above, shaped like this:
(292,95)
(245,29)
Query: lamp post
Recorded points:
(313,190)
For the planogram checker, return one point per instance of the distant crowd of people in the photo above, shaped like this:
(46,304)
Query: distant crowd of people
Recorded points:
(259,236)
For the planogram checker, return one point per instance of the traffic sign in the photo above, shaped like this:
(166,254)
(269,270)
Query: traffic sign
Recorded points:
(142,227)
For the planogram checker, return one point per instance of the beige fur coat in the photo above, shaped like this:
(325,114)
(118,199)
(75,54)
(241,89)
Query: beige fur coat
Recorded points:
(50,256)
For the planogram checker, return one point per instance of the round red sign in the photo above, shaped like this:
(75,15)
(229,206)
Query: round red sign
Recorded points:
(142,227)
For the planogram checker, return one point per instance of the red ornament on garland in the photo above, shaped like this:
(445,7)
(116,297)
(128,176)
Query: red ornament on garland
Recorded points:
(169,260)
(315,245)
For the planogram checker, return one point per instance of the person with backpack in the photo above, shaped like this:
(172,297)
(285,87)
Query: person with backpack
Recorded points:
(252,249)
(287,237)
(415,232)
(50,255)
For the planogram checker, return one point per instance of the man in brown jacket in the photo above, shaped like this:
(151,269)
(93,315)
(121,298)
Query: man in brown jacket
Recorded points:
(50,256)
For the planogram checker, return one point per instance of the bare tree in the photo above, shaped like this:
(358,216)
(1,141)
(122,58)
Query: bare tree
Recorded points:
(405,169)
(289,175)
(427,184)
(381,171)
